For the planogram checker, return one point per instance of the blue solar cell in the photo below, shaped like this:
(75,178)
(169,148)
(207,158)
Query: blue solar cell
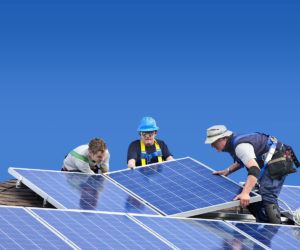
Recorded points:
(273,236)
(291,196)
(180,186)
(20,230)
(80,191)
(100,231)
(198,234)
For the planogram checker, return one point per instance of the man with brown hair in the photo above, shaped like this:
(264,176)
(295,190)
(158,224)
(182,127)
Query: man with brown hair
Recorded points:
(88,158)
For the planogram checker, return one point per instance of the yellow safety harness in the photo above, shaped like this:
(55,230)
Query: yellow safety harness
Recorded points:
(146,158)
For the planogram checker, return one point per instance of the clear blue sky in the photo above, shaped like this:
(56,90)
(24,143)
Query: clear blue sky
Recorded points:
(71,70)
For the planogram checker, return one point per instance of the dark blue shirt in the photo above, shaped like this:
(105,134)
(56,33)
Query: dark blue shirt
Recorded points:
(134,151)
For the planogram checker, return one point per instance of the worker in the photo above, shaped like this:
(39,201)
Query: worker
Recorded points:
(147,149)
(267,160)
(91,158)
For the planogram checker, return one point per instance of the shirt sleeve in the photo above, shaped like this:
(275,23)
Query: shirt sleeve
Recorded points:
(165,150)
(245,152)
(80,165)
(132,151)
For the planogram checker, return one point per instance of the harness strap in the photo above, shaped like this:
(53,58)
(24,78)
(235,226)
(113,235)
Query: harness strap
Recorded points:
(272,141)
(148,157)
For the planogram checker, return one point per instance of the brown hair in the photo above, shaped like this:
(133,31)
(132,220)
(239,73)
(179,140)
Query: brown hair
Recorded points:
(96,145)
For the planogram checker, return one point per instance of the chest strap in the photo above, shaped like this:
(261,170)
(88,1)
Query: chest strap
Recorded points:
(146,158)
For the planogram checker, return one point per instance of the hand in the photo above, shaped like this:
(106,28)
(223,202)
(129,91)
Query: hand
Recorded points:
(224,172)
(244,199)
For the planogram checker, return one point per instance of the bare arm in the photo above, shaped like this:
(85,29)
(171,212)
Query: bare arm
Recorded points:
(244,196)
(232,168)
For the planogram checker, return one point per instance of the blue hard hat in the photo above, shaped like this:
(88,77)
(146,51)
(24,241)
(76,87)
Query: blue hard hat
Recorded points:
(147,124)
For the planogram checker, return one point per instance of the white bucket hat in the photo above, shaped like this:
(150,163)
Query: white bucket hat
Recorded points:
(216,132)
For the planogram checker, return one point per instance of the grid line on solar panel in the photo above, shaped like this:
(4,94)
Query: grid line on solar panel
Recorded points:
(98,229)
(271,235)
(80,191)
(185,182)
(20,230)
(198,233)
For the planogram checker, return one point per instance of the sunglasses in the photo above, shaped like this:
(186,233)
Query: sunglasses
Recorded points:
(151,133)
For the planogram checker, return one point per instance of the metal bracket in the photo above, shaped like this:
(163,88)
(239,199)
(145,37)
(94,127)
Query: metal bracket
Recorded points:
(44,202)
(19,183)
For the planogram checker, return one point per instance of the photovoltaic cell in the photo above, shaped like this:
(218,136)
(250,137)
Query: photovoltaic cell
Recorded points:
(80,191)
(100,231)
(20,230)
(273,236)
(198,234)
(291,196)
(182,187)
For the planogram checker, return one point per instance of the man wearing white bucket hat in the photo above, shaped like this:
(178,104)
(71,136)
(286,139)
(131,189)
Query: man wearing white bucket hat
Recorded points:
(267,160)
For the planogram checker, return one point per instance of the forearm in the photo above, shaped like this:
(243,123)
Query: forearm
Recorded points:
(104,169)
(234,167)
(85,169)
(250,183)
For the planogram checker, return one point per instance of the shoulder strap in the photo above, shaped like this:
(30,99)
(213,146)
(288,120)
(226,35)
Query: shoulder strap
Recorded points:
(157,147)
(143,152)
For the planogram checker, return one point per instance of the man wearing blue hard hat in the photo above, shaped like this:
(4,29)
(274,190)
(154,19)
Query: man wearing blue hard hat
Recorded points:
(147,150)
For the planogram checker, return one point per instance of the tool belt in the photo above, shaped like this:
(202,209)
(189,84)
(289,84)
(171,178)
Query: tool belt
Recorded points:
(282,162)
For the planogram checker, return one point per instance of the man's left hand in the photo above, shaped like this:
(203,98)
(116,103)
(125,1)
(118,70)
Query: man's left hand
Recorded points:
(244,199)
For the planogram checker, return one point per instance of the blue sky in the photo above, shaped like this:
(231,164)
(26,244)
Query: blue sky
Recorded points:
(73,70)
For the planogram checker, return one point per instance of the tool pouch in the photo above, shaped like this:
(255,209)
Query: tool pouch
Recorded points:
(281,164)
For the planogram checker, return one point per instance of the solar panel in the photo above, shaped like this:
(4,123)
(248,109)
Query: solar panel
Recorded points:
(290,195)
(101,230)
(20,230)
(80,191)
(181,187)
(273,236)
(199,234)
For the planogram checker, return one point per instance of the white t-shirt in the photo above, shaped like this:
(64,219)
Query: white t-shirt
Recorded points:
(78,159)
(245,152)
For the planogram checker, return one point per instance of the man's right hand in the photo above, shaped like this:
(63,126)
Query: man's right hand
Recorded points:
(131,164)
(224,172)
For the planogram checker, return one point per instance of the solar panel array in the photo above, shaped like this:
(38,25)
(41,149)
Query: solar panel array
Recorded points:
(80,191)
(273,236)
(183,187)
(19,230)
(64,229)
(199,234)
(107,231)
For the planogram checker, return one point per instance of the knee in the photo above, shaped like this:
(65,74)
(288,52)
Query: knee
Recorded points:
(273,213)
